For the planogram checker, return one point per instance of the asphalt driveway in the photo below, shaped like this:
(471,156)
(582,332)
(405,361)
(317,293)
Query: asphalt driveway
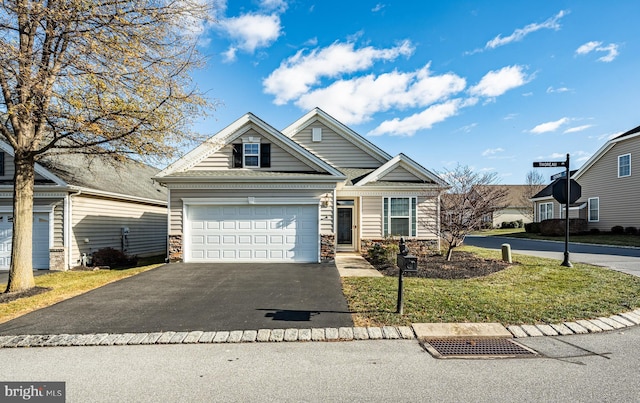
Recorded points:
(207,297)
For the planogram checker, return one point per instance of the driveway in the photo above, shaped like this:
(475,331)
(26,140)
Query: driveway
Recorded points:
(624,259)
(207,297)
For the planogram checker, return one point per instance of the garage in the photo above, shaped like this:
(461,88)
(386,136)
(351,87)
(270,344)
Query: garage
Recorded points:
(40,240)
(251,232)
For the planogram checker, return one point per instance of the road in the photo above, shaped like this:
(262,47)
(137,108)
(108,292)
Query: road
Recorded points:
(586,368)
(622,259)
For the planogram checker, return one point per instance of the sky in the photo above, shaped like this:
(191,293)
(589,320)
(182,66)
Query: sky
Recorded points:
(493,85)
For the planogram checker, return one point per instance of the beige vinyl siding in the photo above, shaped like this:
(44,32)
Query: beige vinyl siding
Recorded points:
(326,213)
(9,169)
(335,149)
(371,218)
(100,220)
(509,214)
(281,160)
(58,225)
(618,196)
(176,196)
(399,174)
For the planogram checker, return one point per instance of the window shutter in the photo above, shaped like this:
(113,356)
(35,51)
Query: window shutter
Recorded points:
(385,216)
(237,155)
(265,155)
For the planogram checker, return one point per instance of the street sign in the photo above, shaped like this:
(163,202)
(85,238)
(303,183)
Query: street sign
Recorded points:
(558,175)
(549,164)
(559,191)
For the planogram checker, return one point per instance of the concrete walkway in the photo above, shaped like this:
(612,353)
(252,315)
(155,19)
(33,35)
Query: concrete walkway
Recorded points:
(354,265)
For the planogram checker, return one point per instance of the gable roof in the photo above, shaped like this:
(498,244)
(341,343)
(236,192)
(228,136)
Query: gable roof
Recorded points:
(235,130)
(127,178)
(516,194)
(407,163)
(547,191)
(339,128)
(633,133)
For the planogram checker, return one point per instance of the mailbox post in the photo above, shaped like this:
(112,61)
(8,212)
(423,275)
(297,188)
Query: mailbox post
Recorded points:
(406,263)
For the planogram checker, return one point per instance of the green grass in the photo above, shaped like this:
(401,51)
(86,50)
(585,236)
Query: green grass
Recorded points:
(64,285)
(599,239)
(534,290)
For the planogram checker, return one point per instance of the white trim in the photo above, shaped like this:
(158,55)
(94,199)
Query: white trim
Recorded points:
(410,217)
(407,163)
(283,186)
(622,156)
(589,209)
(245,155)
(36,195)
(603,150)
(39,169)
(546,212)
(93,192)
(240,201)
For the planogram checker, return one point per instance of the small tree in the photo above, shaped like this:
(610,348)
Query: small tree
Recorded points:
(534,182)
(471,200)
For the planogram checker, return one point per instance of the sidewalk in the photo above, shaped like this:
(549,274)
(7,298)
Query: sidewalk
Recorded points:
(354,265)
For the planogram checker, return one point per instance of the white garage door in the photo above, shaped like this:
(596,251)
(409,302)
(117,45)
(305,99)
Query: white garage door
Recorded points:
(267,233)
(40,240)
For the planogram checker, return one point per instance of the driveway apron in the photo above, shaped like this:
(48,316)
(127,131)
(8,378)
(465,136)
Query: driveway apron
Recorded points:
(207,297)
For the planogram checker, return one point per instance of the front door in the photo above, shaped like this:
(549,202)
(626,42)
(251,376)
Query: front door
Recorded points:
(345,224)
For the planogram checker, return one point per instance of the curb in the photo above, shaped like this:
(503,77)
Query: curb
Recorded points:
(200,337)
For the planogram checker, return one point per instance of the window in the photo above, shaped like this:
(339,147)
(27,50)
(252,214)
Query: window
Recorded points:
(546,211)
(399,216)
(594,209)
(624,165)
(251,154)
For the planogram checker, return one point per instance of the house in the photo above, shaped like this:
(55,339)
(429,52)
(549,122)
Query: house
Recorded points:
(83,204)
(517,206)
(254,193)
(545,207)
(611,185)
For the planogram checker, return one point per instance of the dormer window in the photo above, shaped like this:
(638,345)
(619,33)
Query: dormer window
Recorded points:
(251,155)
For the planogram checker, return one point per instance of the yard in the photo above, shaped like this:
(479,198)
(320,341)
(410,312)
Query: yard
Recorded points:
(603,238)
(532,290)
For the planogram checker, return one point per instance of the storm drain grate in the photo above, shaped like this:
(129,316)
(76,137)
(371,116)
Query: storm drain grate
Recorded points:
(477,348)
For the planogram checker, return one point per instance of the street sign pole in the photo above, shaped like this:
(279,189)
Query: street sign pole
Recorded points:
(566,261)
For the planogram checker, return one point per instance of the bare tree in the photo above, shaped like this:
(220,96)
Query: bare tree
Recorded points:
(97,77)
(471,201)
(534,182)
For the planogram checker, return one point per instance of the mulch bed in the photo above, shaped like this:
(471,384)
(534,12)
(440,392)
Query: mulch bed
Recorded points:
(463,265)
(12,296)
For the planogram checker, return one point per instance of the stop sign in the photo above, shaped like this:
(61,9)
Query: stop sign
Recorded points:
(559,191)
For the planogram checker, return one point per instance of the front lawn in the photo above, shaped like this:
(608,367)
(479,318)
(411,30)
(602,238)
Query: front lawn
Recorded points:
(533,290)
(62,285)
(598,239)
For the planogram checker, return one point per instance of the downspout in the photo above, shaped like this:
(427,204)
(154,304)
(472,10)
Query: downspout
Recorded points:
(67,225)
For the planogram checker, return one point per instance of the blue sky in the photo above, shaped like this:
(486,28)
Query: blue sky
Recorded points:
(494,84)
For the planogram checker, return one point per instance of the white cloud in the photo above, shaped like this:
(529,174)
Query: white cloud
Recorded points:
(252,31)
(551,90)
(420,121)
(279,6)
(492,151)
(497,82)
(467,128)
(295,75)
(354,101)
(596,46)
(577,129)
(549,126)
(377,8)
(520,33)
(230,55)
(510,116)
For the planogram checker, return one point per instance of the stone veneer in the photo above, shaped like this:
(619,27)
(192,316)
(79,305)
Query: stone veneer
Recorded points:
(175,248)
(58,259)
(327,247)
(417,247)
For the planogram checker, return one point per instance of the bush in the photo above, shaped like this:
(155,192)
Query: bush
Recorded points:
(113,258)
(511,224)
(556,226)
(631,230)
(532,227)
(594,231)
(618,229)
(379,253)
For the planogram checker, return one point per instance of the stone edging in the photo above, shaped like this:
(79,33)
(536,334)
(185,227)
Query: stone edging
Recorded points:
(613,322)
(237,336)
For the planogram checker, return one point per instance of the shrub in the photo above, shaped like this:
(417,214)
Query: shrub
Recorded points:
(631,230)
(618,229)
(113,258)
(556,226)
(594,231)
(379,253)
(532,227)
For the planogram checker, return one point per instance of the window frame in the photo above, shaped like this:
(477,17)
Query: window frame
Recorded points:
(547,210)
(246,154)
(589,203)
(412,217)
(620,166)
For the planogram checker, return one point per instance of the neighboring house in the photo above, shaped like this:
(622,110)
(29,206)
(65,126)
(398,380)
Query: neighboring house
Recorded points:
(83,204)
(610,182)
(254,193)
(517,205)
(545,207)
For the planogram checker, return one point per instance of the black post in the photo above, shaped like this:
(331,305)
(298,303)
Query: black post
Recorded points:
(399,307)
(566,261)
(402,249)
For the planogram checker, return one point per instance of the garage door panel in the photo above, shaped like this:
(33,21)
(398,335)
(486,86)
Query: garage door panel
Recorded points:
(40,240)
(265,233)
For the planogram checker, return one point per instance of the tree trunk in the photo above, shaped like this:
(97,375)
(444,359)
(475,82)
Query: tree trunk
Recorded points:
(450,252)
(21,273)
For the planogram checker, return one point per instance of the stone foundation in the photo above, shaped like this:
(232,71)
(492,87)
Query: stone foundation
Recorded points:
(417,247)
(58,259)
(327,247)
(175,248)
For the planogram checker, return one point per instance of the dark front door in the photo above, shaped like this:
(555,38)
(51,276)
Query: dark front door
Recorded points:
(345,226)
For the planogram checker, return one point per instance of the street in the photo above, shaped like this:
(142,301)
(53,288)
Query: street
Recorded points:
(597,367)
(622,259)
